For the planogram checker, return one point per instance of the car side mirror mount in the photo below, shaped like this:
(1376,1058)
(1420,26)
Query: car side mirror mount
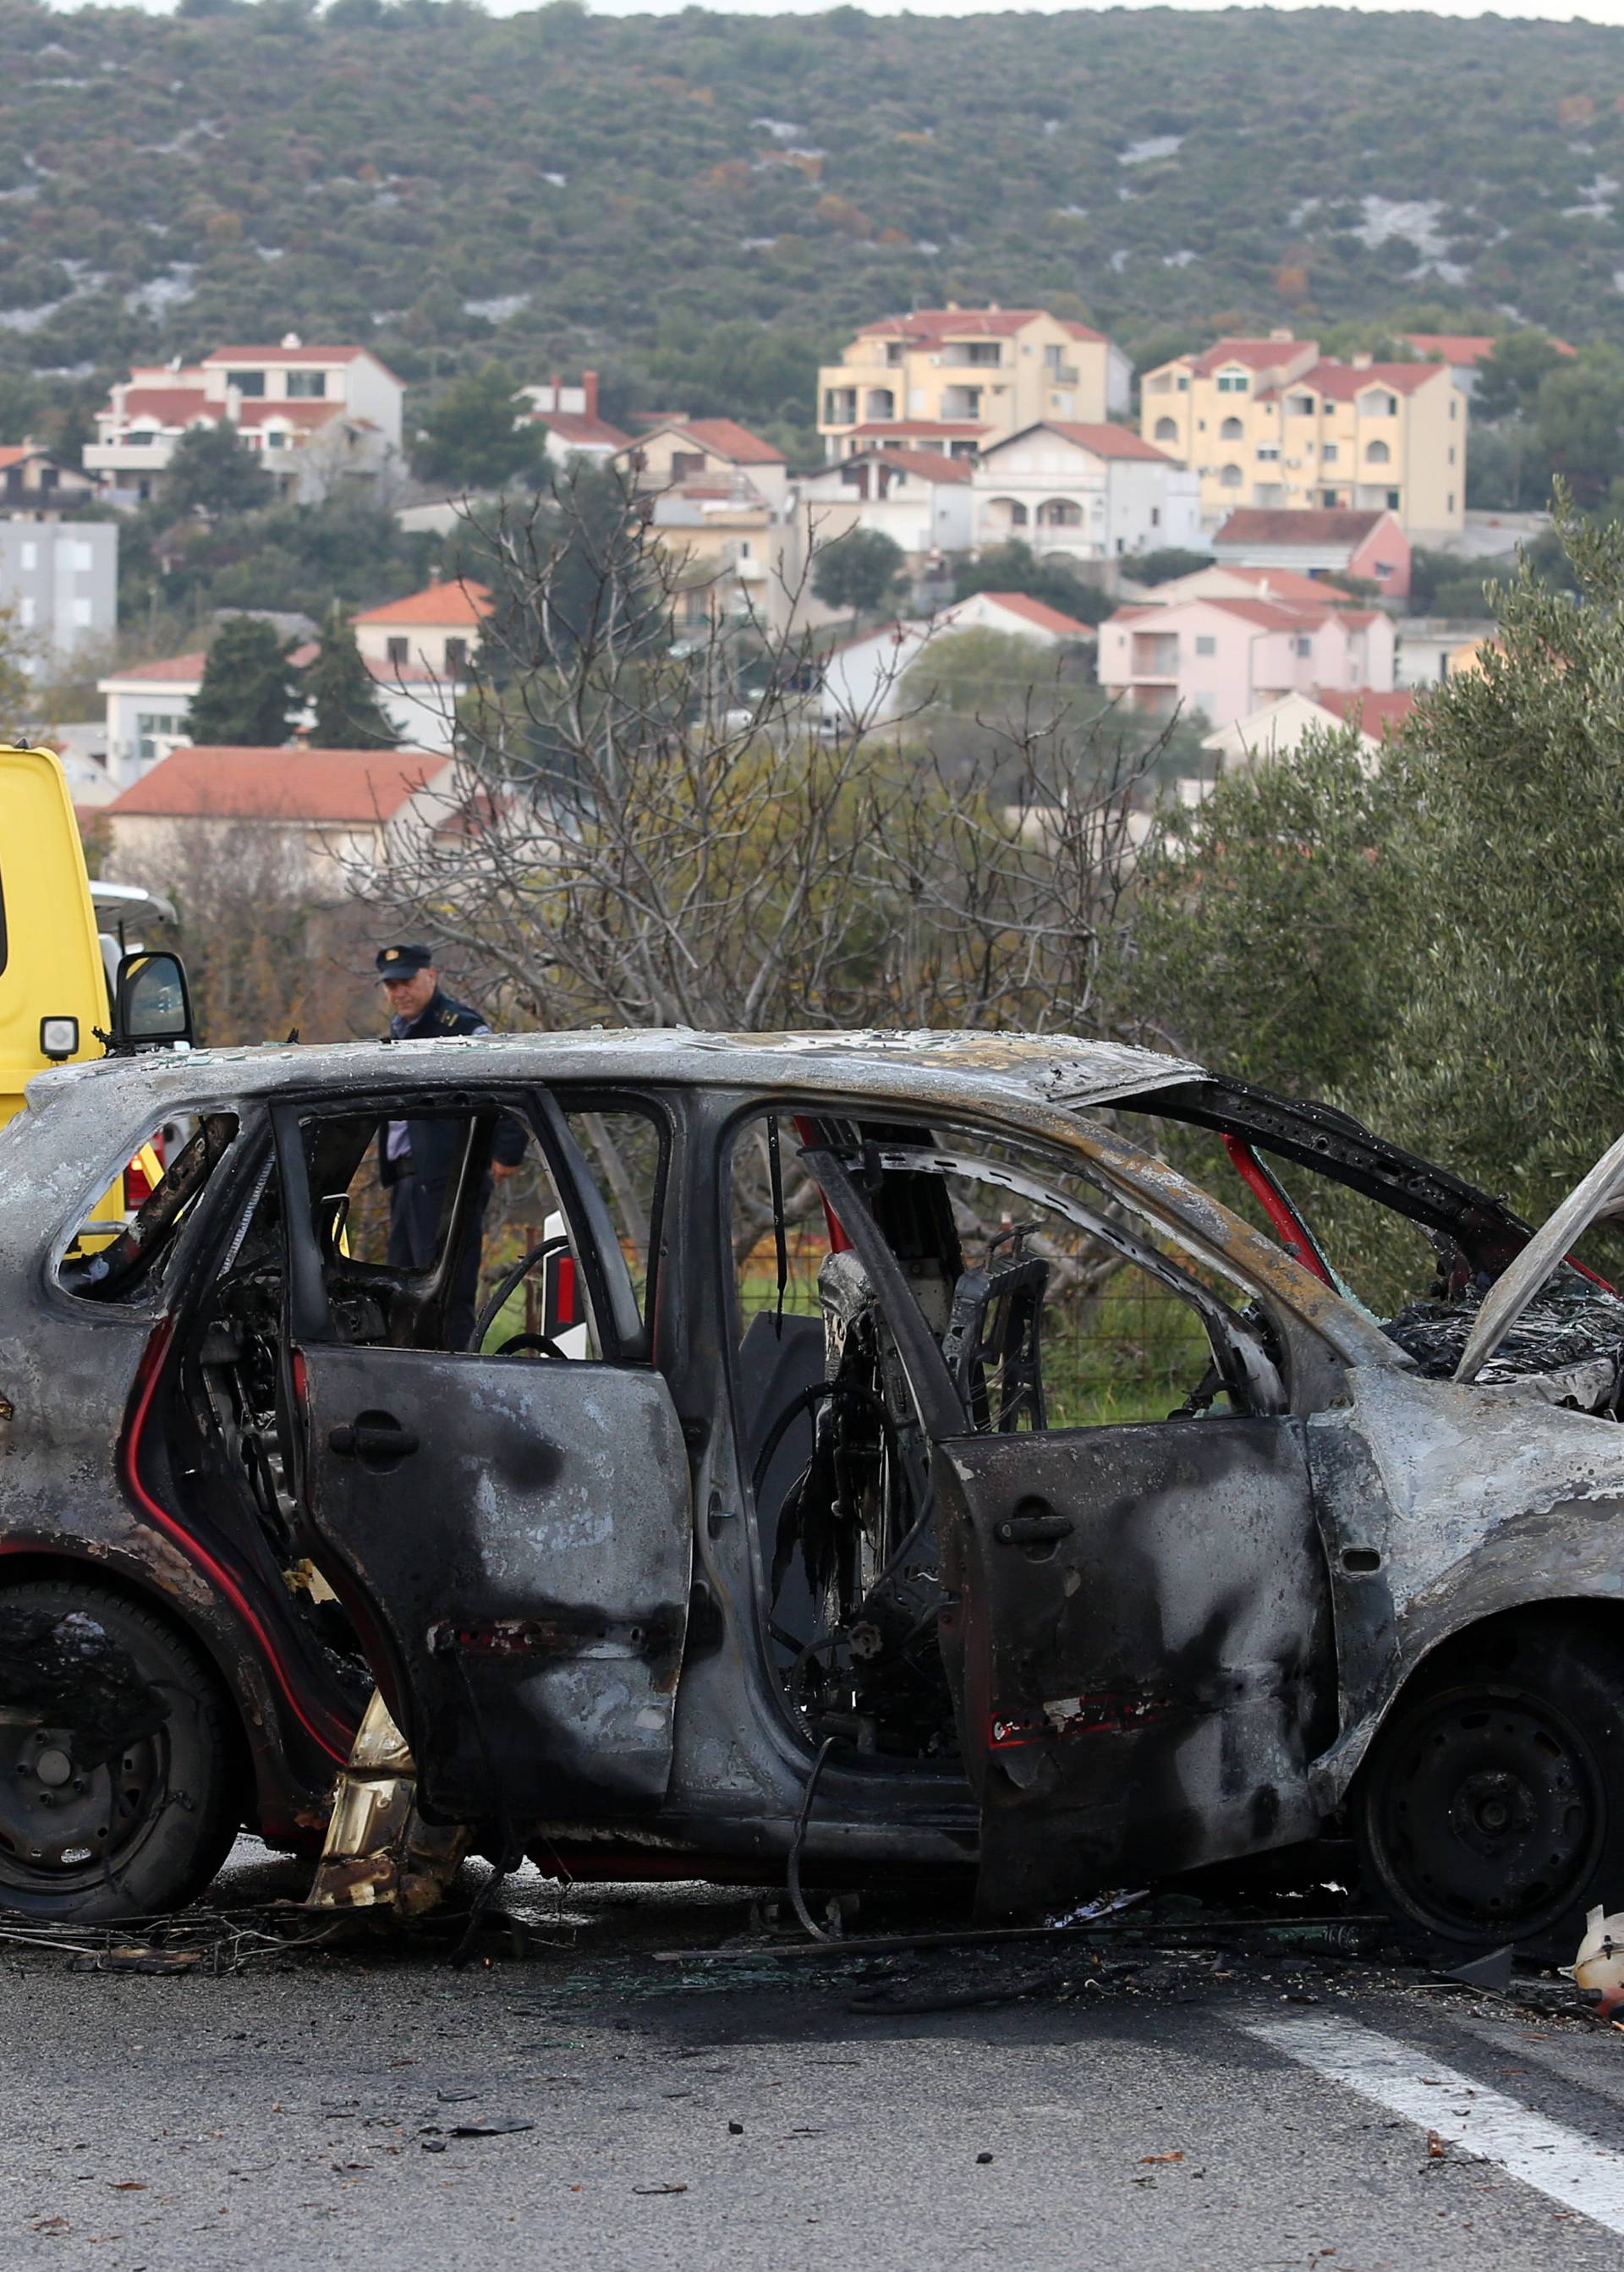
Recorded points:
(152,1008)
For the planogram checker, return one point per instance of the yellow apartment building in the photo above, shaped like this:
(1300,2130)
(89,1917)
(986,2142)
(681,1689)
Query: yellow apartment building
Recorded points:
(1271,423)
(951,379)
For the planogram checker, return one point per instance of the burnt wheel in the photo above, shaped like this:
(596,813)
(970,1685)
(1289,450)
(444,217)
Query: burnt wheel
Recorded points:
(1492,1806)
(118,1768)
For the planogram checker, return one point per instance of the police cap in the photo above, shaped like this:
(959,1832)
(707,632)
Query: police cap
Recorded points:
(402,961)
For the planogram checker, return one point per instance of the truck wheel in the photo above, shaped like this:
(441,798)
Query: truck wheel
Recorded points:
(1490,1808)
(119,1790)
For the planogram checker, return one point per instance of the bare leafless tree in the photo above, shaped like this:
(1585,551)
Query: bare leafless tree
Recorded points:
(629,840)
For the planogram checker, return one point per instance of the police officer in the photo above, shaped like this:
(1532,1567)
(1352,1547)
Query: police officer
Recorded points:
(417,1158)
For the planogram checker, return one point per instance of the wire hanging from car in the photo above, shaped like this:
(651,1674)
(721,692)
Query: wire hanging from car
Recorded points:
(797,1901)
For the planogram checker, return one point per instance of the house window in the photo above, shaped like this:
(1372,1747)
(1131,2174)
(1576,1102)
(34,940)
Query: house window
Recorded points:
(1377,454)
(247,382)
(307,385)
(743,542)
(1301,406)
(155,731)
(400,654)
(1206,643)
(456,657)
(687,464)
(1451,453)
(1393,498)
(1384,569)
(1229,477)
(1183,383)
(1231,431)
(1268,450)
(1155,516)
(83,615)
(894,353)
(1328,453)
(275,438)
(1167,430)
(1302,644)
(49,478)
(31,556)
(984,353)
(1332,497)
(1232,382)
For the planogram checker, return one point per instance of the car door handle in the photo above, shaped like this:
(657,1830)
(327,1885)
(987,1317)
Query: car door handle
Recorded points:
(1033,1529)
(359,1439)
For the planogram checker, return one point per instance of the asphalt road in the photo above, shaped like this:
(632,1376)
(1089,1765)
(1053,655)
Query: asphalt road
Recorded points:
(1123,2107)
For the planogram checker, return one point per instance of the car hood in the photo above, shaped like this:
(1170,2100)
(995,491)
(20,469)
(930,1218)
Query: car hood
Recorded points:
(1600,1193)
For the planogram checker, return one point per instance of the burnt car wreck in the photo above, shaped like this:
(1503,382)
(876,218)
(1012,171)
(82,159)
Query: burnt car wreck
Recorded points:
(820,1517)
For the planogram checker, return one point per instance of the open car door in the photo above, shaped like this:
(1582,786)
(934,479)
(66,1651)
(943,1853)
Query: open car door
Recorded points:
(1135,1618)
(511,1535)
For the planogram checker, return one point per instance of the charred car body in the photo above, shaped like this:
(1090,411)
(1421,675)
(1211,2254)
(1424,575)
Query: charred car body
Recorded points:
(884,1579)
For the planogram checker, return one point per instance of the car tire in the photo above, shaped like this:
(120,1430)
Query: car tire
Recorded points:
(1490,1808)
(121,1773)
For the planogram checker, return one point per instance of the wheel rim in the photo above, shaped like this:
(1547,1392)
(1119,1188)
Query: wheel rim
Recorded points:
(1487,1817)
(66,1822)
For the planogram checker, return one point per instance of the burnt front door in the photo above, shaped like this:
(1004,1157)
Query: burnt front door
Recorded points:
(1137,1633)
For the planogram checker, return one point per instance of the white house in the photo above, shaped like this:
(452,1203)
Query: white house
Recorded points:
(1017,614)
(316,416)
(1091,492)
(1279,727)
(417,652)
(333,813)
(568,414)
(1428,646)
(919,500)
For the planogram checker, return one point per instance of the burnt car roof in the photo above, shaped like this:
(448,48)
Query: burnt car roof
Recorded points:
(1053,1068)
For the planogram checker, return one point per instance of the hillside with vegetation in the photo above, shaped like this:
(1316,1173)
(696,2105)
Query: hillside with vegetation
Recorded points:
(699,205)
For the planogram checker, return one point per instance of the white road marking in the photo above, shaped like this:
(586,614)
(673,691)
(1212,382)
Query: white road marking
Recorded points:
(1564,2163)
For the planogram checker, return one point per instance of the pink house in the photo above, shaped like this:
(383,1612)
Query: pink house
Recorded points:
(1319,540)
(1225,658)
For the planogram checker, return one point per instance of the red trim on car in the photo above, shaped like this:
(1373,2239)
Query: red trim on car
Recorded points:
(1291,1231)
(213,1570)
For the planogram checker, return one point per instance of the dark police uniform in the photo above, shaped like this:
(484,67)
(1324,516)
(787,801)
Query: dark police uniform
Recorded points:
(418,1158)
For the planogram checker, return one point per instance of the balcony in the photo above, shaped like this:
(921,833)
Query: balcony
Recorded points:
(1154,654)
(140,453)
(839,406)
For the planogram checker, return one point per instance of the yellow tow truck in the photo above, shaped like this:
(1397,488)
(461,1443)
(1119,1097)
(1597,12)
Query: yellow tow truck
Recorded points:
(72,985)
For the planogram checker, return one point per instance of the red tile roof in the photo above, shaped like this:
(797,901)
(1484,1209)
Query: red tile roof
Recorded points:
(1361,705)
(171,405)
(1039,612)
(1342,381)
(456,603)
(1464,348)
(259,412)
(1299,524)
(928,324)
(929,430)
(583,432)
(18,453)
(208,782)
(1257,355)
(176,668)
(1102,441)
(930,465)
(1286,584)
(719,437)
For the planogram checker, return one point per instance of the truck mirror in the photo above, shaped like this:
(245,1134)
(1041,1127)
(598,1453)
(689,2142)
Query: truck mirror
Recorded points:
(152,1009)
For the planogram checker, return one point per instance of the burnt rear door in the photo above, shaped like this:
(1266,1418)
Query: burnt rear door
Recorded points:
(1138,1640)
